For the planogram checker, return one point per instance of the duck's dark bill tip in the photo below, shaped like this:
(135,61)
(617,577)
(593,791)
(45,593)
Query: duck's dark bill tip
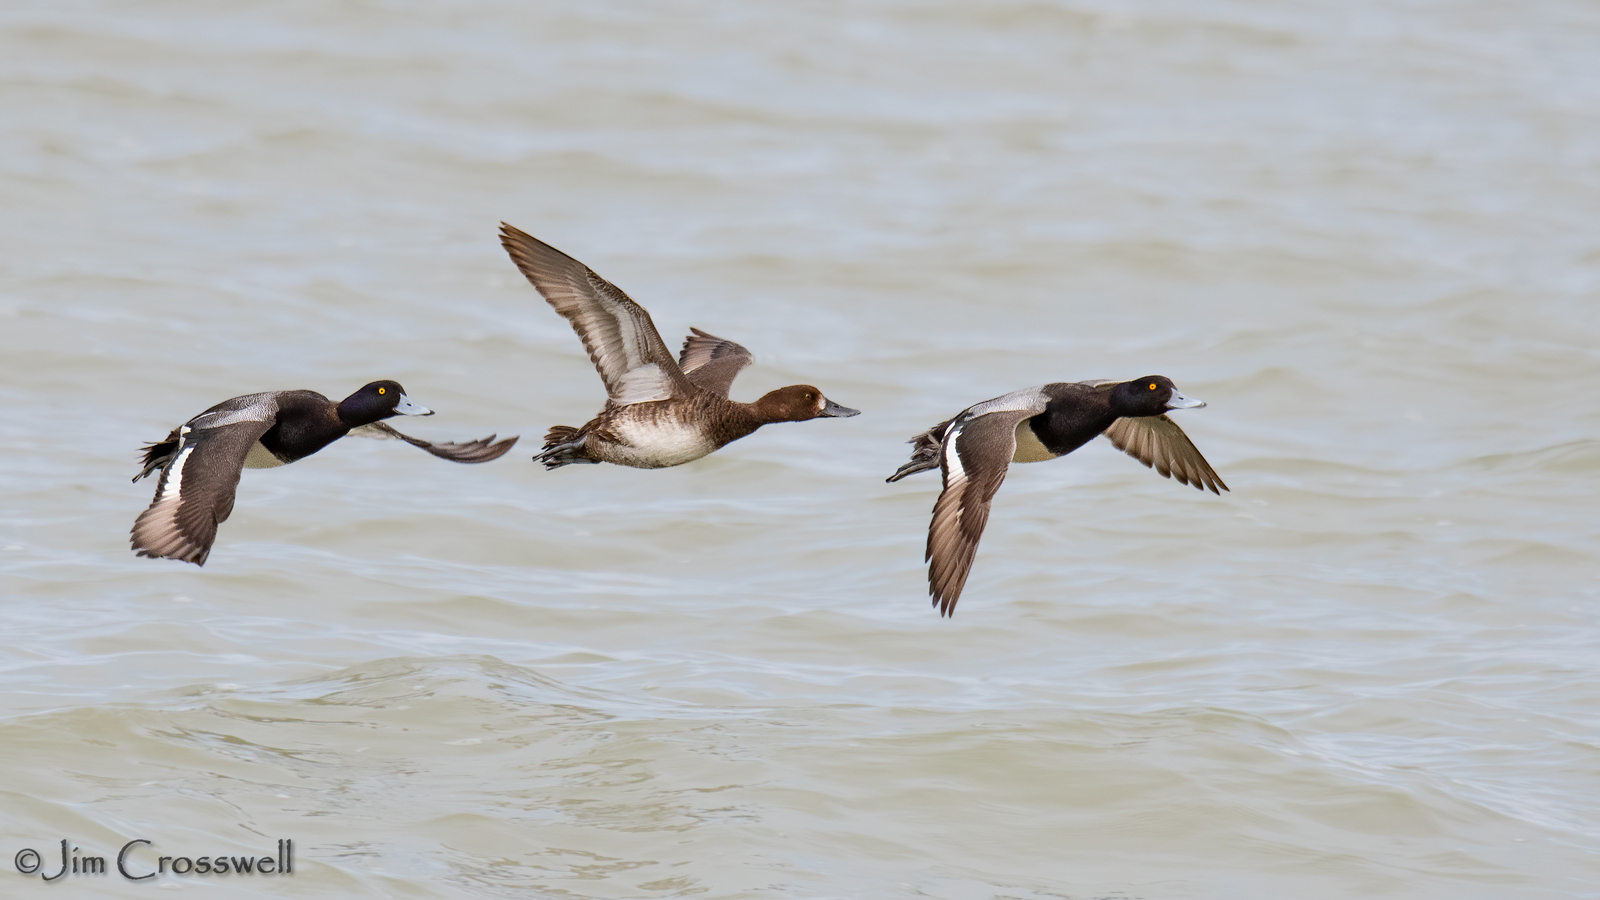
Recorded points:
(835,410)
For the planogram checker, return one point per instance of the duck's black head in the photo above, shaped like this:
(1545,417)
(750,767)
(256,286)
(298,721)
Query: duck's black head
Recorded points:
(1151,395)
(378,400)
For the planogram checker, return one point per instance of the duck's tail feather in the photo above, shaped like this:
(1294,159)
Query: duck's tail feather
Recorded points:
(925,451)
(563,445)
(157,454)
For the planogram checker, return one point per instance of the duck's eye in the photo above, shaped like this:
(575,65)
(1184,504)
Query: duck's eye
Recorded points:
(1152,385)
(386,390)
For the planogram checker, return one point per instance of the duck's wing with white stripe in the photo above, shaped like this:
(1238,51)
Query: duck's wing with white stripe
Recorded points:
(975,455)
(1158,442)
(196,489)
(622,342)
(712,362)
(478,451)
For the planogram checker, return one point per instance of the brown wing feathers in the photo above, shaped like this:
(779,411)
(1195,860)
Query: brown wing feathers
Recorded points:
(712,362)
(975,457)
(195,492)
(478,451)
(621,339)
(1158,442)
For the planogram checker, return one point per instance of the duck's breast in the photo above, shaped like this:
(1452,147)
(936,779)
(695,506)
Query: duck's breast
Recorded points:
(657,441)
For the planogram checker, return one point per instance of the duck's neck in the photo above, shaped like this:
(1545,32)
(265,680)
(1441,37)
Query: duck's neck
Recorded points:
(732,419)
(351,415)
(766,408)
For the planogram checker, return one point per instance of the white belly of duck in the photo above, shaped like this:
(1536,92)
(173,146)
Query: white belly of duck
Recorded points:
(656,444)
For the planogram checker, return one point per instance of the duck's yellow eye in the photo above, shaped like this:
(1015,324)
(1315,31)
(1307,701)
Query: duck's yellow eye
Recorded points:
(386,390)
(1152,385)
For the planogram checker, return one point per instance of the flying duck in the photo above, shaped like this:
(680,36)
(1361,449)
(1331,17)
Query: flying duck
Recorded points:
(659,411)
(974,449)
(200,461)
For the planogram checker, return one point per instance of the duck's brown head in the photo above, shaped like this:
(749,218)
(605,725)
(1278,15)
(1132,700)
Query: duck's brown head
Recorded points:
(799,402)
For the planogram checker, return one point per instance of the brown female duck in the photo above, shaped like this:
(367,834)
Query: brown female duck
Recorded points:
(659,411)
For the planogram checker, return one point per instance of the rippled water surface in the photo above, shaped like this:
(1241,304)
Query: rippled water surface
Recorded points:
(1365,233)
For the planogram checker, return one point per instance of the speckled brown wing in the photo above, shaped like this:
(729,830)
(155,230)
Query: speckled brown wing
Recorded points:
(712,362)
(478,451)
(974,457)
(1158,442)
(196,490)
(621,339)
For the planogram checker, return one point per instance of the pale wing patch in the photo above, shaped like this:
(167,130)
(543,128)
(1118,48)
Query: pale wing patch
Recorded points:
(171,485)
(636,350)
(642,385)
(615,330)
(224,417)
(955,472)
(249,408)
(631,340)
(1030,399)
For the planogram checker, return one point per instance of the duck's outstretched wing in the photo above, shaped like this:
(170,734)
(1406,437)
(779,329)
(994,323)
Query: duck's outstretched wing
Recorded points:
(199,477)
(622,342)
(712,362)
(974,455)
(478,451)
(1158,442)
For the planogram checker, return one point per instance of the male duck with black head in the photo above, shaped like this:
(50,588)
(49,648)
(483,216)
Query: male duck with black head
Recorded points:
(659,411)
(974,449)
(201,460)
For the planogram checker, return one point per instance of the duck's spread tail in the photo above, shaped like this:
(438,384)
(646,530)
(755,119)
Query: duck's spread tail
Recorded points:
(157,454)
(925,451)
(563,445)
